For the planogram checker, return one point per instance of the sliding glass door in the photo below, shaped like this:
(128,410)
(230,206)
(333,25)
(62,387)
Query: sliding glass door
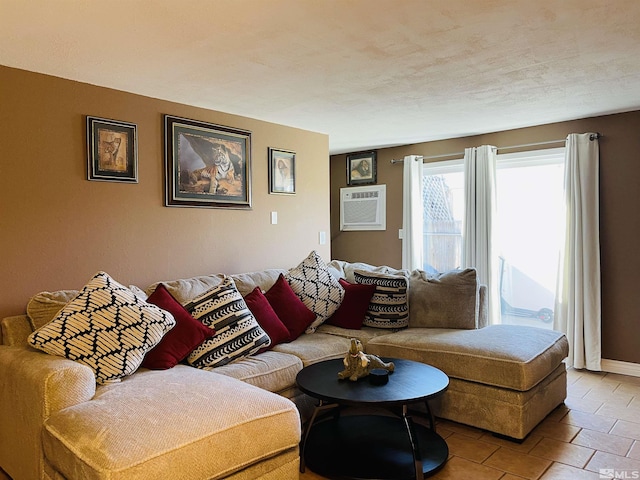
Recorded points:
(529,223)
(529,228)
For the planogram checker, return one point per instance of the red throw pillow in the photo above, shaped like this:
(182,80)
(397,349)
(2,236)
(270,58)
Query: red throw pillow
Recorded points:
(267,318)
(289,308)
(178,342)
(354,306)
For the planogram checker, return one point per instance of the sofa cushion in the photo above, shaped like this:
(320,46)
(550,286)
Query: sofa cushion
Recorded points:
(106,327)
(354,305)
(290,310)
(363,334)
(316,348)
(273,371)
(267,318)
(181,339)
(264,279)
(317,288)
(238,334)
(444,300)
(186,289)
(44,306)
(389,307)
(509,356)
(152,426)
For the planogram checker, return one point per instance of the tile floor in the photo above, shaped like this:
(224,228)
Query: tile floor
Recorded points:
(597,428)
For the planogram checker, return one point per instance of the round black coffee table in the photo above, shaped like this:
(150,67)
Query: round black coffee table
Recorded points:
(372,446)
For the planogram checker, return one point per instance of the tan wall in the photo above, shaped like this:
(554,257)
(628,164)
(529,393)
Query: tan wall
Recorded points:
(58,229)
(619,220)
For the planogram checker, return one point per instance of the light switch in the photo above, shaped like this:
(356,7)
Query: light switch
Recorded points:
(274,218)
(400,234)
(322,238)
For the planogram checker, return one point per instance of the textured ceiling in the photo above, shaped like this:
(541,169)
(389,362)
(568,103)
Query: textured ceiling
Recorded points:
(369,73)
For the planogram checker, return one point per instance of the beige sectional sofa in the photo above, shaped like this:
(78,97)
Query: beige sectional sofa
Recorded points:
(243,420)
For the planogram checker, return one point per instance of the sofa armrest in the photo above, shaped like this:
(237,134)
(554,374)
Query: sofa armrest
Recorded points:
(33,386)
(15,330)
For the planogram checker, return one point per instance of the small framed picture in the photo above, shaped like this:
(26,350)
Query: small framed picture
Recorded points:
(361,168)
(282,171)
(112,150)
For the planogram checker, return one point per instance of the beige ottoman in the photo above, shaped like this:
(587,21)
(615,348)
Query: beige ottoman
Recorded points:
(503,378)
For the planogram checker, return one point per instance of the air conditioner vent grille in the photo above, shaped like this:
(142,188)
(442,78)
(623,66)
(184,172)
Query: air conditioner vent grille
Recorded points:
(364,211)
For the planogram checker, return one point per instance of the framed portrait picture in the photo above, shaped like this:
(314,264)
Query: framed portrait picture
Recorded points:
(206,165)
(361,168)
(112,150)
(282,171)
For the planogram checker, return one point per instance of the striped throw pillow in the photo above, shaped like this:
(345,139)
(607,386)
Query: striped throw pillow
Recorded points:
(389,306)
(238,333)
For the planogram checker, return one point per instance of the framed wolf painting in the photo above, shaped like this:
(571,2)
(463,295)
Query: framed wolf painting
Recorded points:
(206,165)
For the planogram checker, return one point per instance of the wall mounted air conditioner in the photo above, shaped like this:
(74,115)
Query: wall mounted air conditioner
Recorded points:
(363,208)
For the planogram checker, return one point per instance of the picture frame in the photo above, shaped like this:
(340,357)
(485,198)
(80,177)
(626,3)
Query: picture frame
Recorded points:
(361,168)
(282,171)
(112,150)
(206,165)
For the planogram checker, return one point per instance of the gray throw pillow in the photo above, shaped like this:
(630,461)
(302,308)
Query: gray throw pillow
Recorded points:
(444,300)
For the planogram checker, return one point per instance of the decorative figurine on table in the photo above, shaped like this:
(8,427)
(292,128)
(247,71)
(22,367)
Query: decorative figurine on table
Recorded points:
(359,364)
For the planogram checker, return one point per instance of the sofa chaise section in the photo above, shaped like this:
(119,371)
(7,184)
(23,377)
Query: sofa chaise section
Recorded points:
(503,378)
(208,429)
(178,423)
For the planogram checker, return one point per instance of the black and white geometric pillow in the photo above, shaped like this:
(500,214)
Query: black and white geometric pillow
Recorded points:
(389,306)
(318,289)
(106,327)
(238,333)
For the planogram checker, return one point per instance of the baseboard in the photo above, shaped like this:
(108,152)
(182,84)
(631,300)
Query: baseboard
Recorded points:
(623,368)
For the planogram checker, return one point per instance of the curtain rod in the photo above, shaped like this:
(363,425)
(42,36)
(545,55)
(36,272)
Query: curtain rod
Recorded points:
(593,136)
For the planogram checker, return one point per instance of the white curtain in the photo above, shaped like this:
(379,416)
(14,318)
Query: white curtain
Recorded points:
(479,239)
(577,311)
(412,213)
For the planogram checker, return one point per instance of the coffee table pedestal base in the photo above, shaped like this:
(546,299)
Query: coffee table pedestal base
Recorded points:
(371,447)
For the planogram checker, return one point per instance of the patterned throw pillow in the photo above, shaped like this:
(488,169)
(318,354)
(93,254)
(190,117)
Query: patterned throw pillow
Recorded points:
(238,334)
(389,307)
(105,327)
(313,283)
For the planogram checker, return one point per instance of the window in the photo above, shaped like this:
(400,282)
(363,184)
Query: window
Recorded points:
(443,200)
